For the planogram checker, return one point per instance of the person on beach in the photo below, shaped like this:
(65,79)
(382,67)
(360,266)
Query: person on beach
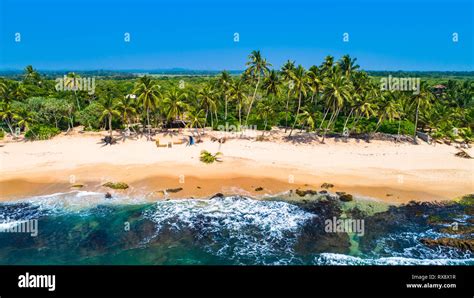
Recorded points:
(191,141)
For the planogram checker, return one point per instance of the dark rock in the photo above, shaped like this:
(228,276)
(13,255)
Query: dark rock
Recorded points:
(108,195)
(323,192)
(327,185)
(458,230)
(313,237)
(259,188)
(217,195)
(302,193)
(174,190)
(345,197)
(463,244)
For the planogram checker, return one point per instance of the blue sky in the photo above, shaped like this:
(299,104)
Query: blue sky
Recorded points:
(89,34)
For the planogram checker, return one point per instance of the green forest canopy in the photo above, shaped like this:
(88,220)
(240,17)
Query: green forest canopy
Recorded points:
(332,97)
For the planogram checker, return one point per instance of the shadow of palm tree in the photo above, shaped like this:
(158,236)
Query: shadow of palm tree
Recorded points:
(170,133)
(107,141)
(302,138)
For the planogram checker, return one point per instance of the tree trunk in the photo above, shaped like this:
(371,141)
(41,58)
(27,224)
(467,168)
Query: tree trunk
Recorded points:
(297,113)
(10,127)
(265,127)
(416,120)
(398,133)
(333,117)
(225,113)
(286,114)
(324,118)
(240,115)
(110,125)
(253,99)
(347,120)
(148,123)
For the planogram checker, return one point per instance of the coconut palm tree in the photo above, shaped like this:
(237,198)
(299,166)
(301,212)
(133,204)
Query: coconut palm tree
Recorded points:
(337,91)
(7,114)
(196,119)
(348,65)
(287,72)
(301,83)
(327,66)
(148,95)
(238,94)
(31,75)
(126,106)
(265,111)
(207,97)
(24,118)
(271,84)
(388,108)
(109,110)
(423,101)
(174,102)
(224,82)
(315,83)
(71,82)
(307,120)
(258,67)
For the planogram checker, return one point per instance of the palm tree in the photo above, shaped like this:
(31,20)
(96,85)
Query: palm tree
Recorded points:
(127,108)
(206,95)
(196,119)
(389,108)
(300,80)
(423,100)
(7,114)
(287,72)
(148,95)
(258,67)
(3,88)
(327,66)
(265,111)
(15,91)
(71,83)
(223,82)
(174,101)
(307,120)
(271,84)
(237,93)
(348,65)
(31,75)
(109,110)
(24,118)
(336,93)
(315,83)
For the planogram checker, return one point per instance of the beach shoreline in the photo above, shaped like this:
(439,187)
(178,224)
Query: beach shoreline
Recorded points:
(387,171)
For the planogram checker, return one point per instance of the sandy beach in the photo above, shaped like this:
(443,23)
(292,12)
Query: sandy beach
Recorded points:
(383,170)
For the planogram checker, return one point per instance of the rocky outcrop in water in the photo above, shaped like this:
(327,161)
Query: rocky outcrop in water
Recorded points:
(463,244)
(174,190)
(313,238)
(345,197)
(116,185)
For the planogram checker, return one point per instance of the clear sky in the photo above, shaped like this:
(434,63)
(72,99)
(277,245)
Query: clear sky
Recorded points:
(199,34)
